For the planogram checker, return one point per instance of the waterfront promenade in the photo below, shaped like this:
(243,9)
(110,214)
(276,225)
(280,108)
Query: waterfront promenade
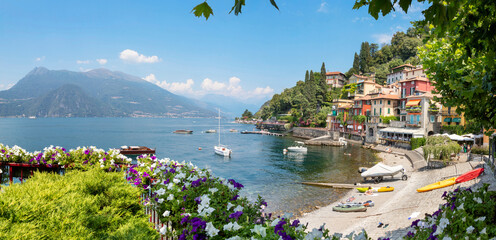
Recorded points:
(395,208)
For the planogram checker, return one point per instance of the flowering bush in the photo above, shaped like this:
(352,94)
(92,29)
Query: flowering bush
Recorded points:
(80,158)
(198,205)
(466,214)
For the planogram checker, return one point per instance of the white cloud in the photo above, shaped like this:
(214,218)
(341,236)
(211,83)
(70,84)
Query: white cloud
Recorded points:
(214,86)
(84,69)
(323,7)
(83,61)
(6,86)
(382,38)
(361,19)
(102,61)
(232,88)
(39,59)
(133,56)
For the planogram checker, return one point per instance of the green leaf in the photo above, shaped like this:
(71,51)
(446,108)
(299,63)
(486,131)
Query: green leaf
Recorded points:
(202,9)
(405,4)
(273,2)
(238,4)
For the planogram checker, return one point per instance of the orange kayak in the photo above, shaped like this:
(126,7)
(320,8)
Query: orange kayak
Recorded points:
(436,185)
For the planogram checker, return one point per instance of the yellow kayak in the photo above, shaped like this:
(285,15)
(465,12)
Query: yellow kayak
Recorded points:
(436,185)
(376,189)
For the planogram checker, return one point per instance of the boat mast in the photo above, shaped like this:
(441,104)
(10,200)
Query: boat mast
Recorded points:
(219,127)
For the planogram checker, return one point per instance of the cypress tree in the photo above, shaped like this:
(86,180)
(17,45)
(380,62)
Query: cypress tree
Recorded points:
(356,63)
(364,57)
(307,76)
(323,71)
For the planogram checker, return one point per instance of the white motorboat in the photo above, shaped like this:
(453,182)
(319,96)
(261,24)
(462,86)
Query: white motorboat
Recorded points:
(380,170)
(342,141)
(221,149)
(298,147)
(211,131)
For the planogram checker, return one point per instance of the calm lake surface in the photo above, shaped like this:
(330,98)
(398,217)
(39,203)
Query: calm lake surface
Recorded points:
(257,161)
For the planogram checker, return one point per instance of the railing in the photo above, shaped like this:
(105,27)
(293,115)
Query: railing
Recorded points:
(414,109)
(413,124)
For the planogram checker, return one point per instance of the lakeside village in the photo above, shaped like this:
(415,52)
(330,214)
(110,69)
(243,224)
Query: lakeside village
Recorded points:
(390,115)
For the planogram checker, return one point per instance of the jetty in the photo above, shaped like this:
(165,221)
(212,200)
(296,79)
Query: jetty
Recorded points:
(263,133)
(336,185)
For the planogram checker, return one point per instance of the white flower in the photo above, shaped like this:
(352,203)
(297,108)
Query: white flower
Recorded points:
(478,200)
(205,200)
(205,211)
(443,223)
(446,238)
(228,227)
(102,166)
(350,235)
(229,205)
(170,197)
(175,180)
(483,231)
(211,230)
(236,226)
(337,235)
(161,191)
(1,171)
(166,213)
(234,238)
(470,229)
(361,235)
(160,200)
(480,219)
(314,234)
(463,219)
(213,190)
(274,223)
(460,207)
(163,230)
(238,209)
(259,230)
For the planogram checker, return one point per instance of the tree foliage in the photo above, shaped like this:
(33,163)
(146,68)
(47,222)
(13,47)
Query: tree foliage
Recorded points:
(204,9)
(247,114)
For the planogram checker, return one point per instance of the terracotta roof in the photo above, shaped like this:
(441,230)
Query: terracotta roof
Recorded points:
(367,97)
(360,76)
(334,73)
(387,96)
(404,65)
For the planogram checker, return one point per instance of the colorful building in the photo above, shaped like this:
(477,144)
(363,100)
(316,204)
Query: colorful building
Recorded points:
(384,105)
(398,73)
(335,79)
(412,87)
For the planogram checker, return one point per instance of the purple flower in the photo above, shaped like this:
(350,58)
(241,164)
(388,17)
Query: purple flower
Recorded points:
(68,154)
(235,184)
(184,220)
(31,160)
(278,228)
(410,234)
(184,189)
(197,223)
(196,183)
(145,174)
(235,197)
(197,200)
(415,223)
(87,151)
(444,194)
(236,215)
(436,213)
(172,170)
(145,186)
(3,151)
(184,198)
(264,203)
(153,157)
(85,162)
(63,149)
(295,223)
(166,181)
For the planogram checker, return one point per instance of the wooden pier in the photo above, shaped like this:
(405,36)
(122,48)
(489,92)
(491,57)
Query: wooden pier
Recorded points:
(263,133)
(336,185)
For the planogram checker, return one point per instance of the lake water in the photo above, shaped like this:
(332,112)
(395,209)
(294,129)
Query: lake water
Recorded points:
(257,161)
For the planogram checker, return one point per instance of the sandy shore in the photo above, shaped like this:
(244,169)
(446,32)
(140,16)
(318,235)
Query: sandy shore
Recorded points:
(395,209)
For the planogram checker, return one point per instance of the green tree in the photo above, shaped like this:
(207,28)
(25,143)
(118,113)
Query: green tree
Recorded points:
(364,57)
(307,76)
(247,114)
(348,89)
(460,56)
(204,10)
(323,70)
(356,63)
(322,116)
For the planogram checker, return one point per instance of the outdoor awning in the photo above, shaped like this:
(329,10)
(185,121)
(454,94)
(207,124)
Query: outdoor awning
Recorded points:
(359,126)
(413,132)
(413,102)
(457,120)
(447,119)
(340,125)
(350,126)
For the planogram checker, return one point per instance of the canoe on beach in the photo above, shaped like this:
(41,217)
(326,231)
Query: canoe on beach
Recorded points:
(469,175)
(436,185)
(376,189)
(348,208)
(368,203)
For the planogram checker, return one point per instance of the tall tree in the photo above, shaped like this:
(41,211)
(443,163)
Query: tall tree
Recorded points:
(323,70)
(307,76)
(364,57)
(356,63)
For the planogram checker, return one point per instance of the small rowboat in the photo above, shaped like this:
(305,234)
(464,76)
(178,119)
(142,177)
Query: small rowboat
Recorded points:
(183,131)
(436,185)
(469,175)
(376,189)
(348,208)
(368,203)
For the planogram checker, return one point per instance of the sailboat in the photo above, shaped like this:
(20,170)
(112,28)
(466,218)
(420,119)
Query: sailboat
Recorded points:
(221,149)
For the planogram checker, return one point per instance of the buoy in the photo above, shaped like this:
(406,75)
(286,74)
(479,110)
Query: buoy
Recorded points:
(284,151)
(199,148)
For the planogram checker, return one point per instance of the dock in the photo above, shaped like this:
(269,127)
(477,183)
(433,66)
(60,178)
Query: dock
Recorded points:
(336,185)
(263,133)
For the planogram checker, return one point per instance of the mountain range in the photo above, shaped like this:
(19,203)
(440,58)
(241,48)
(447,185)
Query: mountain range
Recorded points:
(96,93)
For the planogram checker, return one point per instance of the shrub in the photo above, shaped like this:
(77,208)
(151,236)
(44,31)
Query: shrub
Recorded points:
(417,142)
(440,147)
(480,150)
(79,205)
(387,119)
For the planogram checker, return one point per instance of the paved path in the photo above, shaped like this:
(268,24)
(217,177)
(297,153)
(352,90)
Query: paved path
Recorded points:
(394,208)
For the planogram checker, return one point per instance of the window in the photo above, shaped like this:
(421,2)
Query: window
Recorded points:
(374,102)
(389,110)
(433,119)
(380,111)
(411,119)
(418,118)
(389,102)
(374,112)
(449,110)
(380,101)
(412,90)
(403,104)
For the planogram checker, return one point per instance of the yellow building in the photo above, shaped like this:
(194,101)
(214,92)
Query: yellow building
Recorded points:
(450,117)
(384,105)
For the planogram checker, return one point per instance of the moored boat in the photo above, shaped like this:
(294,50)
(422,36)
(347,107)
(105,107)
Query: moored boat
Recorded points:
(436,185)
(348,208)
(298,147)
(211,131)
(368,203)
(469,175)
(376,189)
(136,150)
(182,131)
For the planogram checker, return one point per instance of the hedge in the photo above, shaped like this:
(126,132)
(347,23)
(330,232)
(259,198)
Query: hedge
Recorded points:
(417,142)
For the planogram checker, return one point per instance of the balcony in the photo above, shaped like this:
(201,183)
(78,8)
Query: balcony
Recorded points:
(433,110)
(413,125)
(357,106)
(413,109)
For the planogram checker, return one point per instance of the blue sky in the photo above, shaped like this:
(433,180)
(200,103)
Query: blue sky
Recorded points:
(249,57)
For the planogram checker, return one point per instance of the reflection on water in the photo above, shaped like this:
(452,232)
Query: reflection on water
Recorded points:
(257,161)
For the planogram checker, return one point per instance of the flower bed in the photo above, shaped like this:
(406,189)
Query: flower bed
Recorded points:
(466,214)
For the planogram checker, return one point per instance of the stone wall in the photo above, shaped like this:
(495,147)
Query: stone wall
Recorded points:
(309,133)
